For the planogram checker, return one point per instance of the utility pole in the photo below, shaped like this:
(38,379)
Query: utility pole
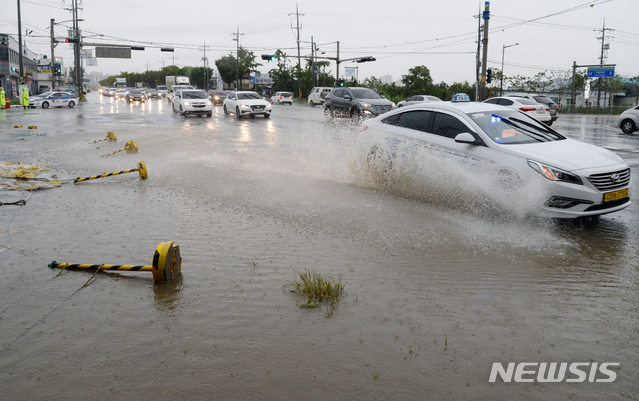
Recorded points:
(77,45)
(299,56)
(478,61)
(205,72)
(237,72)
(22,80)
(53,75)
(337,61)
(604,46)
(486,18)
(313,61)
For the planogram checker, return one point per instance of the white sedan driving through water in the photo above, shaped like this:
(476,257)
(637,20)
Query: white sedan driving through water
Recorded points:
(569,178)
(246,103)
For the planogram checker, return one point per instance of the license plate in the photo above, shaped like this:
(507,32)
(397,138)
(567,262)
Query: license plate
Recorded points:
(259,107)
(610,196)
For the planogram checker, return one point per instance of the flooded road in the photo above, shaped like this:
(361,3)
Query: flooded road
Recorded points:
(437,289)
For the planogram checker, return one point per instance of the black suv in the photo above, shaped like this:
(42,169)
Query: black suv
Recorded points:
(552,106)
(355,103)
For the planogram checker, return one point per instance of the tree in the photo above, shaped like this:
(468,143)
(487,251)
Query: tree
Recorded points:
(234,68)
(418,80)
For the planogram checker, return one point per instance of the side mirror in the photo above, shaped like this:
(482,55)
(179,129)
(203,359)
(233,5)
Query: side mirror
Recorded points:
(383,97)
(466,137)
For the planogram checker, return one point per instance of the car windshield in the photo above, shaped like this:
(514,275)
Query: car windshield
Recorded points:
(513,127)
(193,95)
(287,94)
(364,93)
(248,96)
(527,101)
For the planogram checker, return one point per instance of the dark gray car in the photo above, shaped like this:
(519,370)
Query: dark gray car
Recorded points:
(355,103)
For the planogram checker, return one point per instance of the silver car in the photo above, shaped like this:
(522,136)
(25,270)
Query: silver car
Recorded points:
(629,120)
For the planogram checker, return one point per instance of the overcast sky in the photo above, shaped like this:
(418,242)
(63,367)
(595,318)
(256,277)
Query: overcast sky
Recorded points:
(400,34)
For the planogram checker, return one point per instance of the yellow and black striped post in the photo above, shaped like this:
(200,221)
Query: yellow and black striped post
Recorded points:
(111,137)
(141,168)
(166,264)
(130,147)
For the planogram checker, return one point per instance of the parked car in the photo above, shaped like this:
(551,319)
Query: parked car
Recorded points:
(282,98)
(192,101)
(552,106)
(536,110)
(355,103)
(418,99)
(629,120)
(317,95)
(246,103)
(135,95)
(217,96)
(571,178)
(54,99)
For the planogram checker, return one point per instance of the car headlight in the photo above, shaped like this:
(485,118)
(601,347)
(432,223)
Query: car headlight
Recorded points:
(553,173)
(187,103)
(209,104)
(268,106)
(245,106)
(393,104)
(365,104)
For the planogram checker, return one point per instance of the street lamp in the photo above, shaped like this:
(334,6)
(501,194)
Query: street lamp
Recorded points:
(501,84)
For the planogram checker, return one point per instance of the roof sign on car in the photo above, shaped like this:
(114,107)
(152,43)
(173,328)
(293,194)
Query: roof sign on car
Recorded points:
(460,97)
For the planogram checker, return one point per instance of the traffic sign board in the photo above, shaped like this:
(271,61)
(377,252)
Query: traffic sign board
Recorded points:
(600,72)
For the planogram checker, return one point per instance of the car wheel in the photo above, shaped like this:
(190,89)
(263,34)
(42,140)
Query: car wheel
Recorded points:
(548,123)
(237,112)
(209,114)
(628,126)
(226,112)
(267,116)
(45,105)
(182,112)
(71,104)
(311,103)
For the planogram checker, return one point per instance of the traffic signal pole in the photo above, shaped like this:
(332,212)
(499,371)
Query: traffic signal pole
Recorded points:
(482,87)
(53,76)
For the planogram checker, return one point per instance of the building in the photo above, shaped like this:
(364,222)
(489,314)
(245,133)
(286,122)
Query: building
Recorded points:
(10,66)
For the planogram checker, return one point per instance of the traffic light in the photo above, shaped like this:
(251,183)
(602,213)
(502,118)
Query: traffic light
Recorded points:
(57,70)
(340,82)
(269,57)
(489,75)
(72,40)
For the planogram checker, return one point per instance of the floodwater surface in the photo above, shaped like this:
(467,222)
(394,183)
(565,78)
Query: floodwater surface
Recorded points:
(443,277)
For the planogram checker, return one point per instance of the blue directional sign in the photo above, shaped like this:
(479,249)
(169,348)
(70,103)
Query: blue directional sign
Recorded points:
(600,72)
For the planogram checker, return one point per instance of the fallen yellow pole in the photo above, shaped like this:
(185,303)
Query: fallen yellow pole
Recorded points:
(141,169)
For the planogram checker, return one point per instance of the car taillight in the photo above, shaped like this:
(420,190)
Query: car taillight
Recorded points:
(526,109)
(547,109)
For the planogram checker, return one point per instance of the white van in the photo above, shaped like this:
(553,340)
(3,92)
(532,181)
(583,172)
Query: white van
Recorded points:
(317,95)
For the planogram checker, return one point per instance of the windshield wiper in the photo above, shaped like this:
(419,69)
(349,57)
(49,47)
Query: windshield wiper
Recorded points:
(516,125)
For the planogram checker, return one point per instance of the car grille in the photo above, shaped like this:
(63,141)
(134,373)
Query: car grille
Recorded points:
(383,109)
(198,105)
(257,108)
(610,181)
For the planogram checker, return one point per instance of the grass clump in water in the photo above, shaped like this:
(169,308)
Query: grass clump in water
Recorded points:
(318,289)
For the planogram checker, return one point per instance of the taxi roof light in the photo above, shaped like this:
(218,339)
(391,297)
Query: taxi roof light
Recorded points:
(460,97)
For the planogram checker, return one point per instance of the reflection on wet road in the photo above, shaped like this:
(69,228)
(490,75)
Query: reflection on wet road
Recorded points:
(441,281)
